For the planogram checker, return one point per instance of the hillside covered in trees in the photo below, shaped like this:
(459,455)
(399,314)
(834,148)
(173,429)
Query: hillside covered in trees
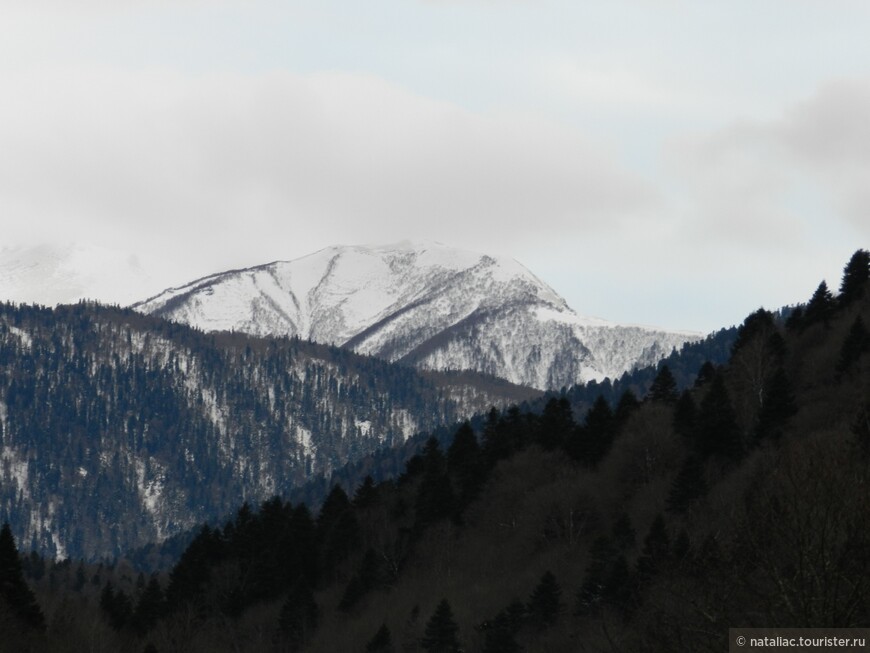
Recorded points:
(117,429)
(649,523)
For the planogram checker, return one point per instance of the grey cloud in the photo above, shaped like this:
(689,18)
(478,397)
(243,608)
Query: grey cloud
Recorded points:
(771,179)
(829,136)
(232,161)
(831,128)
(734,187)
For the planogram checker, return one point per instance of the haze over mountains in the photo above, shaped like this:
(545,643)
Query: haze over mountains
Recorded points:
(64,274)
(421,304)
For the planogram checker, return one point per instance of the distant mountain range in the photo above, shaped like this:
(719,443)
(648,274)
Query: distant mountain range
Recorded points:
(420,304)
(119,427)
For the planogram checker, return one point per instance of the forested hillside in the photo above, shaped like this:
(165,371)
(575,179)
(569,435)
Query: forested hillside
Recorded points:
(683,365)
(653,526)
(118,429)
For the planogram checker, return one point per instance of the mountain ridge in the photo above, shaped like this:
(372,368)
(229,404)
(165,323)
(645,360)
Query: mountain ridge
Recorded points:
(422,304)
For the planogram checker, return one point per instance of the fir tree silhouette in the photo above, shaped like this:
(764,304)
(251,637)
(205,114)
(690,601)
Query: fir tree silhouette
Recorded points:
(545,603)
(856,276)
(441,631)
(664,387)
(382,642)
(820,306)
(13,588)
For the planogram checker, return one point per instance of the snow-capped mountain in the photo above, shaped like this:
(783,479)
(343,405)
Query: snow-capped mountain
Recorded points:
(423,304)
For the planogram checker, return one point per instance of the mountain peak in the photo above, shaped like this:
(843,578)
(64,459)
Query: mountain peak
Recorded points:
(420,303)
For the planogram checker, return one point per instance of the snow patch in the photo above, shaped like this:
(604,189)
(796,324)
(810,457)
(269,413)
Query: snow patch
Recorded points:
(404,421)
(364,426)
(60,550)
(22,335)
(15,470)
(303,437)
(150,489)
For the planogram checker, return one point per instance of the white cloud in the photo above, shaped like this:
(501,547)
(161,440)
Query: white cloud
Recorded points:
(231,164)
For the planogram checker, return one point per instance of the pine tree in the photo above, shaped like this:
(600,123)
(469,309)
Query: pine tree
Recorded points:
(14,590)
(366,494)
(779,405)
(150,607)
(366,579)
(856,276)
(189,577)
(718,433)
(795,321)
(441,634)
(685,415)
(688,485)
(382,642)
(545,603)
(705,374)
(413,468)
(759,324)
(335,504)
(495,442)
(664,387)
(656,549)
(338,531)
(465,462)
(557,423)
(117,606)
(434,462)
(820,306)
(595,437)
(856,344)
(515,429)
(435,498)
(626,406)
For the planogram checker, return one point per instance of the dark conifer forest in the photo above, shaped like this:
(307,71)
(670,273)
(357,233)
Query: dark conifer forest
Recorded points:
(651,516)
(117,429)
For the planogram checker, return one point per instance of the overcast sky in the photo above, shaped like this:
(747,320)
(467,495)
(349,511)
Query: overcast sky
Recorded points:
(666,162)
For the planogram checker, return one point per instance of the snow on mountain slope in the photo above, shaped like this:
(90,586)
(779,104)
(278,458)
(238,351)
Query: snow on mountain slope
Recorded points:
(423,304)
